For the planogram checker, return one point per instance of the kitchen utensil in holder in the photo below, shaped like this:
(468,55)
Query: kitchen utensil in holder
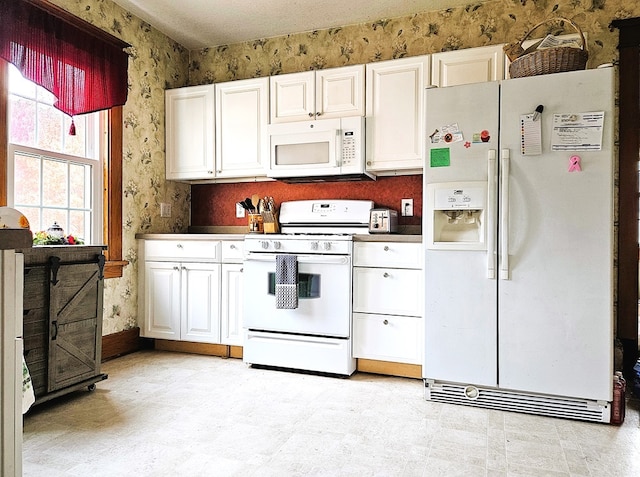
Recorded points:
(270,220)
(548,60)
(256,224)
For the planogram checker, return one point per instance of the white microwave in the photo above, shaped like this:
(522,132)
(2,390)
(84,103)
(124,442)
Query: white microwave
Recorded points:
(321,150)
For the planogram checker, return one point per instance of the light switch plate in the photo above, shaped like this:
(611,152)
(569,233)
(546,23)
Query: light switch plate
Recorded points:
(406,207)
(239,211)
(165,209)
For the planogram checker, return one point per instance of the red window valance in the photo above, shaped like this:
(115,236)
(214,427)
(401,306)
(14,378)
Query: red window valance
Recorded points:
(85,72)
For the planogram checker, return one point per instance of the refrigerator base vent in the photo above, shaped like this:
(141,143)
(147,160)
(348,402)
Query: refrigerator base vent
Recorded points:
(503,400)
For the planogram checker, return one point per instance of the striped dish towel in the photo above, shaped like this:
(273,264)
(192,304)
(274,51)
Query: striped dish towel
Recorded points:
(287,282)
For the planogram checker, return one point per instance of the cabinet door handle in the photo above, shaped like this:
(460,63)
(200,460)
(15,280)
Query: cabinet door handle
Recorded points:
(318,114)
(386,322)
(386,248)
(176,268)
(180,245)
(55,330)
(385,275)
(232,246)
(242,270)
(310,115)
(184,268)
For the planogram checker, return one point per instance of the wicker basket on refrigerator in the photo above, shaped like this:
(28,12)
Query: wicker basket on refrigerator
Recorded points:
(548,60)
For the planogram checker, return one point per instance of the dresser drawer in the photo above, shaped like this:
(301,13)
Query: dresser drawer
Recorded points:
(387,254)
(182,250)
(387,338)
(232,251)
(387,291)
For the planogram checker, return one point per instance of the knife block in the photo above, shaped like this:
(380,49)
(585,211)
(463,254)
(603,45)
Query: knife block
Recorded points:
(270,222)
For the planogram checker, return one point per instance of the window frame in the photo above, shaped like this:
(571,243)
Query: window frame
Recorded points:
(96,197)
(112,177)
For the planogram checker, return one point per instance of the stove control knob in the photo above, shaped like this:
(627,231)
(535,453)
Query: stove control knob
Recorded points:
(314,245)
(265,244)
(277,245)
(326,245)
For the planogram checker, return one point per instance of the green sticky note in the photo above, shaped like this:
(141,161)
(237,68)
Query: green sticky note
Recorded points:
(440,157)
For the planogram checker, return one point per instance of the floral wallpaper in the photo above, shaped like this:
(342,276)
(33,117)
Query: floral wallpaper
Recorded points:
(480,23)
(157,63)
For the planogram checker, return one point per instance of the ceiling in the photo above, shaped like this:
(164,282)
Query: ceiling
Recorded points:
(205,23)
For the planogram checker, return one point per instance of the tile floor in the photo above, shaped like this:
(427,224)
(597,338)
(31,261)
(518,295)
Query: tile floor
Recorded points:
(171,414)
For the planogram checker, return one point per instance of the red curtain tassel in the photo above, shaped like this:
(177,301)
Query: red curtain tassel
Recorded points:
(72,129)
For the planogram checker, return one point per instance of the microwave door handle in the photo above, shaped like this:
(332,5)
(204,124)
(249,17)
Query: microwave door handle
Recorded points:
(338,147)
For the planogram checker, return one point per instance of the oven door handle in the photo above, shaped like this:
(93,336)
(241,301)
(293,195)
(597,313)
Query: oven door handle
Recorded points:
(328,259)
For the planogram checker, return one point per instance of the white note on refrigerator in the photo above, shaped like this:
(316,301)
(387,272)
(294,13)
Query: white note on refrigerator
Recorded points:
(530,136)
(577,131)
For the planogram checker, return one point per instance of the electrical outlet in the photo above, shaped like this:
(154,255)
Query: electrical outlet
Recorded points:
(406,207)
(239,211)
(165,209)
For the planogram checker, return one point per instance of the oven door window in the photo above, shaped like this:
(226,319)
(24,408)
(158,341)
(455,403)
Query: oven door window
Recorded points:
(308,285)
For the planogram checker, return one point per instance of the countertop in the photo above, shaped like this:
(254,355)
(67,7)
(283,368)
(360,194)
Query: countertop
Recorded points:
(238,233)
(222,236)
(203,236)
(388,238)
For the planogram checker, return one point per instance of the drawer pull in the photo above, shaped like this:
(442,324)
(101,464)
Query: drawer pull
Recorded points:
(180,245)
(386,248)
(386,322)
(385,275)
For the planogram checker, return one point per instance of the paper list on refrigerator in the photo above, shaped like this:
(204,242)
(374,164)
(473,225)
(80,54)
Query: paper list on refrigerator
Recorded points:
(530,136)
(577,131)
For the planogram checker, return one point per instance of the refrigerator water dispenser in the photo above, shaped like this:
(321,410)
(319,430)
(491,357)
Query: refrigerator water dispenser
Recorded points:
(456,216)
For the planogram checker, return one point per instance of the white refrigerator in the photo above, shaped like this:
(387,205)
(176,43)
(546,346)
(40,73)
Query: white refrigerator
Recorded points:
(518,221)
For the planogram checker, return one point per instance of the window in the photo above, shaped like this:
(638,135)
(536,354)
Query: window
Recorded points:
(53,176)
(57,25)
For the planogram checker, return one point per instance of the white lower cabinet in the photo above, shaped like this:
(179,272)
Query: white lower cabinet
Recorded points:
(181,301)
(232,294)
(387,301)
(200,302)
(192,290)
(388,337)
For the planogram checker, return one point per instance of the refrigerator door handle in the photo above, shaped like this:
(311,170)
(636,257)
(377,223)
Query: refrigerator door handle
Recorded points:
(504,215)
(491,214)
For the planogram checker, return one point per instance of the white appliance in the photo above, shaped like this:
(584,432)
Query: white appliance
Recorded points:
(321,150)
(316,335)
(518,233)
(11,285)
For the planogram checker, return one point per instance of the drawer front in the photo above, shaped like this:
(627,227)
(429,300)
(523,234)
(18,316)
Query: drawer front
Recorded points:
(387,338)
(388,254)
(387,291)
(182,250)
(232,251)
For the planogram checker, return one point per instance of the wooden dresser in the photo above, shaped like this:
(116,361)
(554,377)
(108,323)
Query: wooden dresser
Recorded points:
(63,294)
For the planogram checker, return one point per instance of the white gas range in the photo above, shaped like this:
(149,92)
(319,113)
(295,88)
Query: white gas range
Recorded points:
(312,330)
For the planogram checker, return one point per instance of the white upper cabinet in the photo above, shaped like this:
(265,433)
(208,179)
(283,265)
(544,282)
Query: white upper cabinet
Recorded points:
(330,93)
(340,92)
(190,126)
(472,65)
(242,116)
(395,114)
